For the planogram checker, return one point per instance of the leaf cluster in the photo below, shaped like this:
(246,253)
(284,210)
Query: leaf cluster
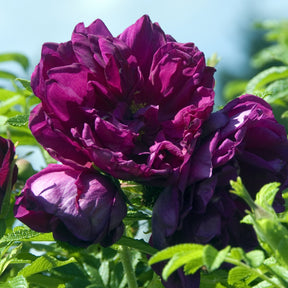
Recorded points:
(16,102)
(271,83)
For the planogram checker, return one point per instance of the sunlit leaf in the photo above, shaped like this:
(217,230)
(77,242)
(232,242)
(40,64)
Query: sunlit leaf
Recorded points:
(274,234)
(25,83)
(15,57)
(7,104)
(212,258)
(266,195)
(234,88)
(18,121)
(180,259)
(17,282)
(26,234)
(7,75)
(43,263)
(239,274)
(255,258)
(9,256)
(171,251)
(265,77)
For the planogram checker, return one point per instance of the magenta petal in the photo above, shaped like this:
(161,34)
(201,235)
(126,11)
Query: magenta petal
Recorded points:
(144,38)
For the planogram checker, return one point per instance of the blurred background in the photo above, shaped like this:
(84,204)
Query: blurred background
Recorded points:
(224,27)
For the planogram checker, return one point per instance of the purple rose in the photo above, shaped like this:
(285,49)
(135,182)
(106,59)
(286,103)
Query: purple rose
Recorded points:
(8,170)
(79,207)
(255,139)
(132,105)
(243,139)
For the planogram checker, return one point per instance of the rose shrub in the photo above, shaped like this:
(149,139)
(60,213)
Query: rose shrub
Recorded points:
(79,207)
(132,105)
(8,169)
(139,107)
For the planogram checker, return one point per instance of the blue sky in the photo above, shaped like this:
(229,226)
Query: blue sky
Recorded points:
(214,26)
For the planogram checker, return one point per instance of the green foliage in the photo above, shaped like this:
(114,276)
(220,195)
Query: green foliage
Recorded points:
(16,103)
(32,259)
(271,83)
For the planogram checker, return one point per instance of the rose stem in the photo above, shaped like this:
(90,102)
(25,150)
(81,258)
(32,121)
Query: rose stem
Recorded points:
(125,257)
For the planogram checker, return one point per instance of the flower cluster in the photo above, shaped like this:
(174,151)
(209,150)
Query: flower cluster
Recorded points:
(139,107)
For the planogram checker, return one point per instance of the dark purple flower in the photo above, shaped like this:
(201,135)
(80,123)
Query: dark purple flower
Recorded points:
(79,207)
(243,139)
(132,105)
(255,139)
(8,169)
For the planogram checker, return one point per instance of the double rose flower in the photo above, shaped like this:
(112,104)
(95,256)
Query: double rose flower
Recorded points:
(139,107)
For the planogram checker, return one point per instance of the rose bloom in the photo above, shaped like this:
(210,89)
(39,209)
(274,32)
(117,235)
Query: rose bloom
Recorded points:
(8,170)
(79,207)
(243,139)
(132,105)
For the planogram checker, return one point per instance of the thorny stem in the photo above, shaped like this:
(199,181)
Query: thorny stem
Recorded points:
(125,257)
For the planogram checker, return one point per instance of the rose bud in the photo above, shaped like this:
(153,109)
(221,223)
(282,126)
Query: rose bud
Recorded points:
(79,207)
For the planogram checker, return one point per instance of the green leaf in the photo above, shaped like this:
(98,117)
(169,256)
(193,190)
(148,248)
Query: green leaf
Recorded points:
(215,279)
(4,262)
(104,272)
(17,282)
(18,121)
(239,274)
(255,258)
(213,60)
(285,114)
(25,83)
(44,263)
(45,281)
(194,264)
(170,251)
(271,232)
(15,57)
(239,189)
(269,54)
(3,120)
(265,77)
(279,271)
(212,258)
(7,75)
(219,285)
(266,195)
(22,135)
(9,103)
(180,259)
(278,90)
(25,234)
(6,94)
(237,253)
(139,245)
(156,282)
(234,89)
(133,215)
